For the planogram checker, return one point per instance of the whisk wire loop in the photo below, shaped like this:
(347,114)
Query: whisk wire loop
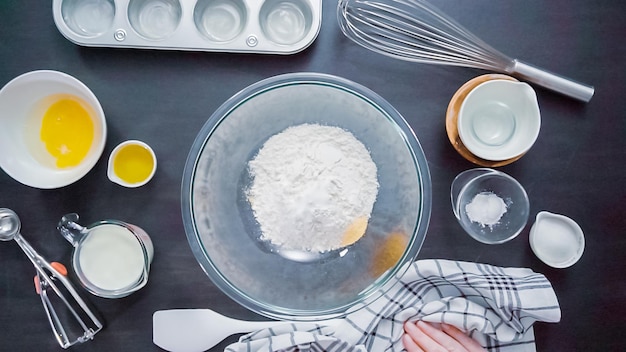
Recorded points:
(413,39)
(415,31)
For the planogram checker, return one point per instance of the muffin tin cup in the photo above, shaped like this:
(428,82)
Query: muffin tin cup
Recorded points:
(251,26)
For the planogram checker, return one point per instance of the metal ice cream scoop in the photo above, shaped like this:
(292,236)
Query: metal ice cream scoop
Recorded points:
(75,323)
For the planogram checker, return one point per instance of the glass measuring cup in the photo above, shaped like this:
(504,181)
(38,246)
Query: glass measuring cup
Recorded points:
(111,258)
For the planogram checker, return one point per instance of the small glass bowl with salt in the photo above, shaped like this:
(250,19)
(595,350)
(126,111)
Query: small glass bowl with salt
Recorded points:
(490,205)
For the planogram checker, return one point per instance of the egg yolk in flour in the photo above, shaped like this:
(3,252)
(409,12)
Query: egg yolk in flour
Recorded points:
(67,130)
(388,253)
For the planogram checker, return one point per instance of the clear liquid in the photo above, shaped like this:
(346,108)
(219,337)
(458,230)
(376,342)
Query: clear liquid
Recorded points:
(222,21)
(93,17)
(286,24)
(158,18)
(493,124)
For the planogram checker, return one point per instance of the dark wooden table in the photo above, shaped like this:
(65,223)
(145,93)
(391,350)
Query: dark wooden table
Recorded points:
(577,166)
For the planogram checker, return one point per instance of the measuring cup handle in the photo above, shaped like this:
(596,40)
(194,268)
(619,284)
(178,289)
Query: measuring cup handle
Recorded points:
(70,229)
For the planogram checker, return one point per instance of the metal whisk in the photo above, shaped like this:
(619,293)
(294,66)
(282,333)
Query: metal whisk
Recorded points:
(415,30)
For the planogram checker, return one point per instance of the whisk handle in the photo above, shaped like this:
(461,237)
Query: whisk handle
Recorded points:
(551,81)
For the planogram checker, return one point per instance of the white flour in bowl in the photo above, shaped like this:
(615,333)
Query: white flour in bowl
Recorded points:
(313,188)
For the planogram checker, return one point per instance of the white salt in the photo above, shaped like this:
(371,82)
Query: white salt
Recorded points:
(486,208)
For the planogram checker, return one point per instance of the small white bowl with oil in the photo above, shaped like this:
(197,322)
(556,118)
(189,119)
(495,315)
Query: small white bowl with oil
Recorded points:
(132,164)
(52,129)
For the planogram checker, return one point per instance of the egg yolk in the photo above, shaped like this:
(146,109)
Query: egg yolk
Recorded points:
(67,130)
(389,253)
(355,231)
(133,163)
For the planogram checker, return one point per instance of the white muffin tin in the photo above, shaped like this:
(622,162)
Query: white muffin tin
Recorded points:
(252,26)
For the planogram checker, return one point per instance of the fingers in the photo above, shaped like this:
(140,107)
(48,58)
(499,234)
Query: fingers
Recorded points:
(409,344)
(422,336)
(440,338)
(431,339)
(469,343)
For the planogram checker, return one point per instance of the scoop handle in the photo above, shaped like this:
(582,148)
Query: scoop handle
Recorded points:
(551,81)
(69,321)
(73,301)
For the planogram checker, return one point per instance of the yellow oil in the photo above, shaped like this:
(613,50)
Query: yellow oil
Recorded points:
(133,163)
(67,131)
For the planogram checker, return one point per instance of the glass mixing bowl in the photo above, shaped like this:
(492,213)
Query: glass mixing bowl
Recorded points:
(221,227)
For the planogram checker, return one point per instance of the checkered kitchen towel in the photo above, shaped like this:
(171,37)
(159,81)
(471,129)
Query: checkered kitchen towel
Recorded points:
(497,306)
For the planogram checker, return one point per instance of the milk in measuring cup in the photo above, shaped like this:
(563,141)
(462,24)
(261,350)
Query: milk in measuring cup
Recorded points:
(111,258)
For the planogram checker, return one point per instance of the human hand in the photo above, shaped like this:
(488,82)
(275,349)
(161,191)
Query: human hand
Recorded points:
(422,336)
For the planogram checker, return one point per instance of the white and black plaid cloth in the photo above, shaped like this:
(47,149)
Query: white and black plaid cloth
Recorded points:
(496,306)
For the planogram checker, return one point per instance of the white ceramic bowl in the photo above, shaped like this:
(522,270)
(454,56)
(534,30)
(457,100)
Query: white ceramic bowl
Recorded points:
(499,120)
(557,240)
(132,161)
(23,101)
